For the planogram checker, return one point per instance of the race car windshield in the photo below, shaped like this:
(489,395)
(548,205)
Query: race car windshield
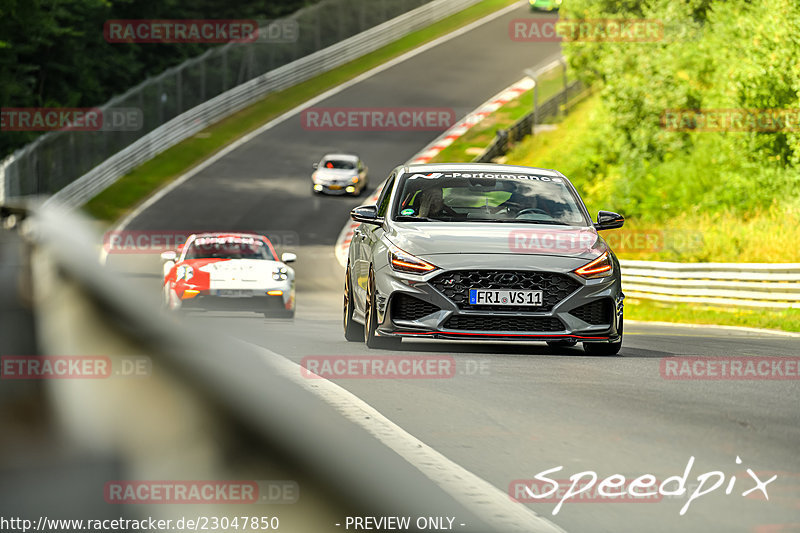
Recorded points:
(338,164)
(463,197)
(225,248)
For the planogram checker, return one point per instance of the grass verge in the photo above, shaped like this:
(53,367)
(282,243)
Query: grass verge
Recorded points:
(765,235)
(648,310)
(761,236)
(117,200)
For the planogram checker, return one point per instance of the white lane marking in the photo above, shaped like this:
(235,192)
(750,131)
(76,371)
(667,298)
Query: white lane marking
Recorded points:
(484,499)
(282,118)
(732,328)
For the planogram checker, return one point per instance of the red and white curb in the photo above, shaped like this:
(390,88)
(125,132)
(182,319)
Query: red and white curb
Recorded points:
(490,106)
(432,150)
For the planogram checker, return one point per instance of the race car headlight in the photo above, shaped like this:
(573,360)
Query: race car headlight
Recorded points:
(280,274)
(405,262)
(184,272)
(598,268)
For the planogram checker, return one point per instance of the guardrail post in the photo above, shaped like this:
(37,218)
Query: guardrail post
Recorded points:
(179,91)
(225,85)
(566,84)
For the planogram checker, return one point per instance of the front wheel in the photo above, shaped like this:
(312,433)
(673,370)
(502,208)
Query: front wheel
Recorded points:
(353,331)
(371,339)
(171,300)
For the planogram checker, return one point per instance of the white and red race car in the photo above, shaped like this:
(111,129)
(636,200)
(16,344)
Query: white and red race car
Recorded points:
(229,271)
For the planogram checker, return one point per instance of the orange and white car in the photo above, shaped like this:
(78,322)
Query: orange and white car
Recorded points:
(229,271)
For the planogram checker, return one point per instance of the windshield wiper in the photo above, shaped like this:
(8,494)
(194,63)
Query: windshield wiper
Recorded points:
(516,221)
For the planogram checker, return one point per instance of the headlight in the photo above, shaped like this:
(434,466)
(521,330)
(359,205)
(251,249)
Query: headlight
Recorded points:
(405,262)
(355,179)
(184,272)
(599,268)
(280,274)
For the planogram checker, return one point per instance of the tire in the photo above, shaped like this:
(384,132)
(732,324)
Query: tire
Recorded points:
(276,309)
(371,319)
(604,348)
(171,300)
(284,314)
(353,331)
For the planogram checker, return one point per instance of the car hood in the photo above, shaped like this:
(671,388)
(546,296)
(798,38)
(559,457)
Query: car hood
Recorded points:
(335,173)
(426,239)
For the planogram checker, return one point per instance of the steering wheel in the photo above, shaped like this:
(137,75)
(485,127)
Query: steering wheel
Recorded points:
(533,210)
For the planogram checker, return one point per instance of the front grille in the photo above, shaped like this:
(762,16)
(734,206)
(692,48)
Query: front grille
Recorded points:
(405,307)
(456,285)
(595,313)
(504,323)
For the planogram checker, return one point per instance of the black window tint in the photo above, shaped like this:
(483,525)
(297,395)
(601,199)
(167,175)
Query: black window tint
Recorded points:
(386,194)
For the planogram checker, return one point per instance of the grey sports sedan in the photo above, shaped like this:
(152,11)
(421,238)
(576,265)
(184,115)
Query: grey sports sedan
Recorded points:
(482,252)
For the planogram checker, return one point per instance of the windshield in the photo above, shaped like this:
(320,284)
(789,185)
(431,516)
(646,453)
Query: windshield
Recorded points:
(229,248)
(338,164)
(465,197)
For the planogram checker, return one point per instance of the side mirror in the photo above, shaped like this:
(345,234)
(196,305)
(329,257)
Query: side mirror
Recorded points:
(169,256)
(366,214)
(288,257)
(315,165)
(609,220)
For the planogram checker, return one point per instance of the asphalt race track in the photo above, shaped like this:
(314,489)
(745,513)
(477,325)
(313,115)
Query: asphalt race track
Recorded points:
(512,410)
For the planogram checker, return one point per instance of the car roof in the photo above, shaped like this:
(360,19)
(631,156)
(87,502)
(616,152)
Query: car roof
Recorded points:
(229,234)
(337,155)
(482,167)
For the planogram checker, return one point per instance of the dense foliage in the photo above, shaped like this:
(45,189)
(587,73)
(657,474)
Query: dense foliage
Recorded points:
(715,54)
(53,52)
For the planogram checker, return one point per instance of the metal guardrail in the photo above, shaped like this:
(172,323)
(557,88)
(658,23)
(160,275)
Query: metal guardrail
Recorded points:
(505,139)
(766,285)
(101,158)
(209,407)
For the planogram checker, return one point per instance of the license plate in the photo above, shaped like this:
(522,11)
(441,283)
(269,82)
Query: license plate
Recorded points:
(504,297)
(335,187)
(231,293)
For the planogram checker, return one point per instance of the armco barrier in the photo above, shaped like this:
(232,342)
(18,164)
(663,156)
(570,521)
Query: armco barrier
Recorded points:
(199,117)
(766,285)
